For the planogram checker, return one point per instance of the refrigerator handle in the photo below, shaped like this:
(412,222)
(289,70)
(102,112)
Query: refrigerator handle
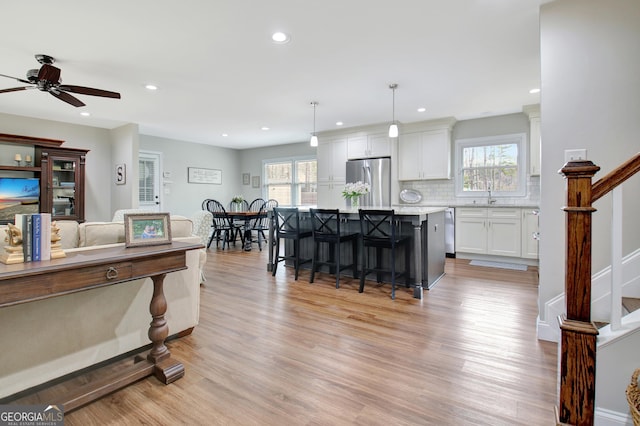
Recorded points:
(367,173)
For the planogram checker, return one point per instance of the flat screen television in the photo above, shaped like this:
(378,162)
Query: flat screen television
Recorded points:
(18,195)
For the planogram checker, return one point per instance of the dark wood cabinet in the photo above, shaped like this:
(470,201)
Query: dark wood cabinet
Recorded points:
(62,173)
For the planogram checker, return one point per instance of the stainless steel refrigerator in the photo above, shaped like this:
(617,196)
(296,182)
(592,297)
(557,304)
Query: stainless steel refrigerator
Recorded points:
(376,172)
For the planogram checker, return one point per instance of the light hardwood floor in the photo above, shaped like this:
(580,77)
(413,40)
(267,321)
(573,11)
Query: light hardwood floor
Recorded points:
(273,351)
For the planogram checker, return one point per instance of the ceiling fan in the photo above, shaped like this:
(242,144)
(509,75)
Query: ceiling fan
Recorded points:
(47,79)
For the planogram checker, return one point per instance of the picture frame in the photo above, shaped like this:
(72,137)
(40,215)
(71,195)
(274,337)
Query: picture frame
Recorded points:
(200,175)
(246,178)
(255,182)
(147,229)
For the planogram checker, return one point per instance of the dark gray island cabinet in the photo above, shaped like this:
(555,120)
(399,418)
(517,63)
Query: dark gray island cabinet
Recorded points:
(425,226)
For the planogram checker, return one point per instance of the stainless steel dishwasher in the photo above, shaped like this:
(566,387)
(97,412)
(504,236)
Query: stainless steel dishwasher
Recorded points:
(449,232)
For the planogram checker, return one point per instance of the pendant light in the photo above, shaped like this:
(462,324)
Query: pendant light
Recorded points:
(393,128)
(314,138)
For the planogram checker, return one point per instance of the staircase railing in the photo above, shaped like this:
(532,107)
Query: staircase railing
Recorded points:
(578,333)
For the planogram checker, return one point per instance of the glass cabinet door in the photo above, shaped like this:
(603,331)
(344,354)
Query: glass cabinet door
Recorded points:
(63,184)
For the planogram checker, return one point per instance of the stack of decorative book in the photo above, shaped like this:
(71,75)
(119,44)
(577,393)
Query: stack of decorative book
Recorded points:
(32,238)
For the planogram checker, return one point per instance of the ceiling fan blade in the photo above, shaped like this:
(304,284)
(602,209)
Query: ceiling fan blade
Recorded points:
(89,91)
(15,89)
(49,73)
(64,96)
(16,78)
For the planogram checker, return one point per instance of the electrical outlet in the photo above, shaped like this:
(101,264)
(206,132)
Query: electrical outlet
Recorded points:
(575,155)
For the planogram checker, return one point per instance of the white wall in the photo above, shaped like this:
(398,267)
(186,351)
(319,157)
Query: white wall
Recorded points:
(98,162)
(185,198)
(590,99)
(124,150)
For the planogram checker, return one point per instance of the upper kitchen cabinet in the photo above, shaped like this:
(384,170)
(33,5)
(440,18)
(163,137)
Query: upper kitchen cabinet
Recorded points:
(533,111)
(332,159)
(425,154)
(369,146)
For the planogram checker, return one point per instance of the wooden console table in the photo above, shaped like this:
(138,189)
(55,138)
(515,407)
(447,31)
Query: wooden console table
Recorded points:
(84,270)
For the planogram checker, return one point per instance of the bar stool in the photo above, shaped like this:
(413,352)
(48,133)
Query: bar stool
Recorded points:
(379,231)
(326,229)
(287,223)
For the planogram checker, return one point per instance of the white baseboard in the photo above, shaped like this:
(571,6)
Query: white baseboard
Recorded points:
(547,331)
(603,417)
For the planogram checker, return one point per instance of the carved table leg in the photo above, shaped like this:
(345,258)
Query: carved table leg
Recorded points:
(165,370)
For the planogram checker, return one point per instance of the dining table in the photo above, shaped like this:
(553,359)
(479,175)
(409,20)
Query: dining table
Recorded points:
(247,216)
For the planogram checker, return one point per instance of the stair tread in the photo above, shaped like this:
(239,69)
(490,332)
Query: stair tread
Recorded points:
(631,303)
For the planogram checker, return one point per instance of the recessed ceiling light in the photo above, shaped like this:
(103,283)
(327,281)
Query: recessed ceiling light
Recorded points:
(339,123)
(532,91)
(265,128)
(280,37)
(422,109)
(151,87)
(224,135)
(85,113)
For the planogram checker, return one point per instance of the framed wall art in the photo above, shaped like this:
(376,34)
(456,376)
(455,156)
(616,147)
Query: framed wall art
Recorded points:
(199,175)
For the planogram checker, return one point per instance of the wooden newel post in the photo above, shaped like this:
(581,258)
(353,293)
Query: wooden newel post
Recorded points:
(578,333)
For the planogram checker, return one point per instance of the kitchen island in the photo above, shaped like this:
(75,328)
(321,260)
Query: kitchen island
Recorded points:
(425,226)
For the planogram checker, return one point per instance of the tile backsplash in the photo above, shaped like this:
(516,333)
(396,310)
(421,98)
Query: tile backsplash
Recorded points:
(442,191)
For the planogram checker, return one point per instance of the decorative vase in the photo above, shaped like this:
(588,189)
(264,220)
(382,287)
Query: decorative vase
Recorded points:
(237,207)
(355,202)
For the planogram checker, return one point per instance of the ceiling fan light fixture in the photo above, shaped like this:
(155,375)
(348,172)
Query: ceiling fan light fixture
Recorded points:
(393,128)
(314,138)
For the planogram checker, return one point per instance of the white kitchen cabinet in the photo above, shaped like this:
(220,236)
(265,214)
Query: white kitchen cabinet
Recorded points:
(330,195)
(332,159)
(533,111)
(425,155)
(493,231)
(471,230)
(534,147)
(369,146)
(530,233)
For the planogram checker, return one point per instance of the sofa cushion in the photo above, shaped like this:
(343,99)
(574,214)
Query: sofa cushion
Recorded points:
(181,226)
(100,233)
(68,233)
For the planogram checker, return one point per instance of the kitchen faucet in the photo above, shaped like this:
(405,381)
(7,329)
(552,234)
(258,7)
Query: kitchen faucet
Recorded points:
(490,200)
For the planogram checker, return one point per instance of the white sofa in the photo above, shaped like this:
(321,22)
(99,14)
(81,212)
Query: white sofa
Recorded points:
(47,339)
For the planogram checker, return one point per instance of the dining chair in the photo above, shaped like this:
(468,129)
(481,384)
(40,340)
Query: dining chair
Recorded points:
(238,224)
(261,223)
(380,231)
(256,205)
(287,224)
(223,229)
(327,230)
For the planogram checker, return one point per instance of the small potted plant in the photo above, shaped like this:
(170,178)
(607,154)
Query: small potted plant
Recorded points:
(236,202)
(353,190)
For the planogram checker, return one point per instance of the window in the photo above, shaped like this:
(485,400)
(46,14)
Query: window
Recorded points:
(495,164)
(293,182)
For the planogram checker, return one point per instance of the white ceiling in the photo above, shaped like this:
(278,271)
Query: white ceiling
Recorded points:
(218,71)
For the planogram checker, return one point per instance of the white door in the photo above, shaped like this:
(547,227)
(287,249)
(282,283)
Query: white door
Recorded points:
(149,187)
